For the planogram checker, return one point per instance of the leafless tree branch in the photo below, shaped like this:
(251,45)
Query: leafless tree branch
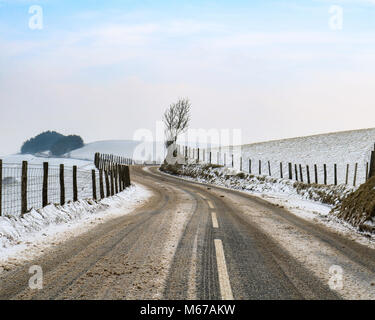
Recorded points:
(176,119)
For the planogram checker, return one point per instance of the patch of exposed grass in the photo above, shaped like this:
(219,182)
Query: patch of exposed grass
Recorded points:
(211,166)
(241,175)
(358,208)
(171,168)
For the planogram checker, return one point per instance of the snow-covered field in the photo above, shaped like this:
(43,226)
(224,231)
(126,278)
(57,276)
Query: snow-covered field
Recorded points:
(16,159)
(341,148)
(22,238)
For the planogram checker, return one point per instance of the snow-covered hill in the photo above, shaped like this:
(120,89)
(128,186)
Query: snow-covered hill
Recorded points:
(341,148)
(137,150)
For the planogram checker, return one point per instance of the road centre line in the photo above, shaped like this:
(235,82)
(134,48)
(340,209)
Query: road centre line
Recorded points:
(225,287)
(215,224)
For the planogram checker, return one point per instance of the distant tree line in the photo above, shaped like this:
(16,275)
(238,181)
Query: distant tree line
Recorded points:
(52,141)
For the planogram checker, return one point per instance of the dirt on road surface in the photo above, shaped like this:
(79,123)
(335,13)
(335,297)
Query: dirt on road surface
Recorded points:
(191,241)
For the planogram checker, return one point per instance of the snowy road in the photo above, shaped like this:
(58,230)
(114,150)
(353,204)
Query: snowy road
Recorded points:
(191,241)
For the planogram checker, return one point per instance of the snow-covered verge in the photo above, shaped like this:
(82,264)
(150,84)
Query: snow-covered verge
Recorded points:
(317,203)
(24,237)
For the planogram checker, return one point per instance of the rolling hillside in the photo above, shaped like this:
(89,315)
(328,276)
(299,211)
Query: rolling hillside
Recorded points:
(341,148)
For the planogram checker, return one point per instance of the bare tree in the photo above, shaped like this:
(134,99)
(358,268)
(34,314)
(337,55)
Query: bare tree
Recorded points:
(176,120)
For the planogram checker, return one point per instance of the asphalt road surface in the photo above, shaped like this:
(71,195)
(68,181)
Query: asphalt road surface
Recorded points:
(189,241)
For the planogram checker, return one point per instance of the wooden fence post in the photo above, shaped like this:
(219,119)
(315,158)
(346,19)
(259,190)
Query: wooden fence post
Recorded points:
(119,178)
(269,168)
(124,176)
(347,174)
(316,173)
(225,159)
(115,173)
(121,186)
(300,173)
(24,188)
(281,170)
(366,171)
(75,186)
(62,185)
(101,186)
(355,174)
(296,171)
(372,164)
(290,171)
(325,173)
(210,157)
(1,187)
(260,167)
(335,174)
(112,181)
(240,163)
(107,187)
(96,159)
(93,184)
(232,161)
(127,176)
(250,166)
(45,185)
(308,174)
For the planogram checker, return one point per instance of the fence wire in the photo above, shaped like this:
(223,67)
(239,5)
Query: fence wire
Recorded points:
(11,186)
(11,189)
(346,173)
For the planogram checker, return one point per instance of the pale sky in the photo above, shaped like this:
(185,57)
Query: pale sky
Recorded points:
(103,69)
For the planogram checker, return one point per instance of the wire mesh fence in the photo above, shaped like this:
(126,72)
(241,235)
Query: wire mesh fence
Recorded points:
(11,189)
(26,186)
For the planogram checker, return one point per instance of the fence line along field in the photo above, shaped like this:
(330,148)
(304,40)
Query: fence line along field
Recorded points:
(334,158)
(34,185)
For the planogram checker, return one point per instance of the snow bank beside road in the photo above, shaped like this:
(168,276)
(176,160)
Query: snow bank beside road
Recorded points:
(22,238)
